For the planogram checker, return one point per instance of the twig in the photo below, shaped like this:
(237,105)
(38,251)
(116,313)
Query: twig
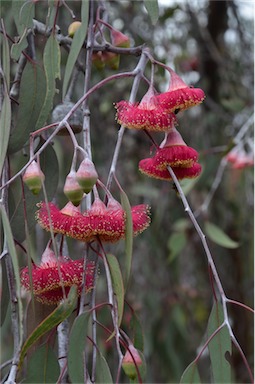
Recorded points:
(63,332)
(210,260)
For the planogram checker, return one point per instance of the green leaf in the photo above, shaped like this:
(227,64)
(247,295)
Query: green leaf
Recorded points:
(5,115)
(49,166)
(152,9)
(32,93)
(216,234)
(23,13)
(5,294)
(64,310)
(117,284)
(176,243)
(43,366)
(5,126)
(138,337)
(128,236)
(191,374)
(14,258)
(51,61)
(75,357)
(78,40)
(103,373)
(219,346)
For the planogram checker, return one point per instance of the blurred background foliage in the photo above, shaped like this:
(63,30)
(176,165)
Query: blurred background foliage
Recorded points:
(210,45)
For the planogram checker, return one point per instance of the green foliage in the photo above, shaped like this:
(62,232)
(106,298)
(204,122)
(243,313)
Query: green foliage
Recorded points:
(30,104)
(5,294)
(191,374)
(5,111)
(128,237)
(62,312)
(219,346)
(117,284)
(76,348)
(51,61)
(43,366)
(103,373)
(78,41)
(218,236)
(152,9)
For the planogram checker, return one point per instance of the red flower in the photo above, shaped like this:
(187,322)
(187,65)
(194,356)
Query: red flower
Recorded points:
(52,275)
(240,159)
(107,223)
(175,156)
(147,166)
(148,114)
(179,95)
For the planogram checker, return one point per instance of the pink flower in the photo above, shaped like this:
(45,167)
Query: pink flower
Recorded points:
(240,159)
(52,275)
(105,222)
(147,166)
(148,114)
(179,95)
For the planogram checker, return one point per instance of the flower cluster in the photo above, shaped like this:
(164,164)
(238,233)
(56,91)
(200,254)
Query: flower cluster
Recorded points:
(54,276)
(157,112)
(106,222)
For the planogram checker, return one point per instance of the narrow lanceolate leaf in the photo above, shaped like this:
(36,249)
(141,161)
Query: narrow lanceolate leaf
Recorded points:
(137,329)
(5,114)
(103,373)
(78,40)
(219,346)
(64,310)
(219,237)
(77,340)
(32,94)
(5,294)
(23,13)
(152,9)
(12,252)
(51,61)
(43,366)
(117,284)
(191,375)
(128,236)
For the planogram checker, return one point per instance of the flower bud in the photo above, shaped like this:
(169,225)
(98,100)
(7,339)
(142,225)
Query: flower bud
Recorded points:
(75,121)
(119,39)
(98,61)
(73,27)
(112,60)
(33,177)
(86,175)
(131,363)
(72,189)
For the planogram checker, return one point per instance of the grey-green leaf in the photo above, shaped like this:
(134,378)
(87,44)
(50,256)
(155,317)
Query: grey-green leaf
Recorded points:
(78,40)
(5,114)
(219,237)
(5,294)
(117,284)
(176,243)
(103,373)
(191,374)
(63,311)
(32,94)
(43,366)
(128,236)
(152,9)
(14,258)
(51,61)
(76,349)
(219,346)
